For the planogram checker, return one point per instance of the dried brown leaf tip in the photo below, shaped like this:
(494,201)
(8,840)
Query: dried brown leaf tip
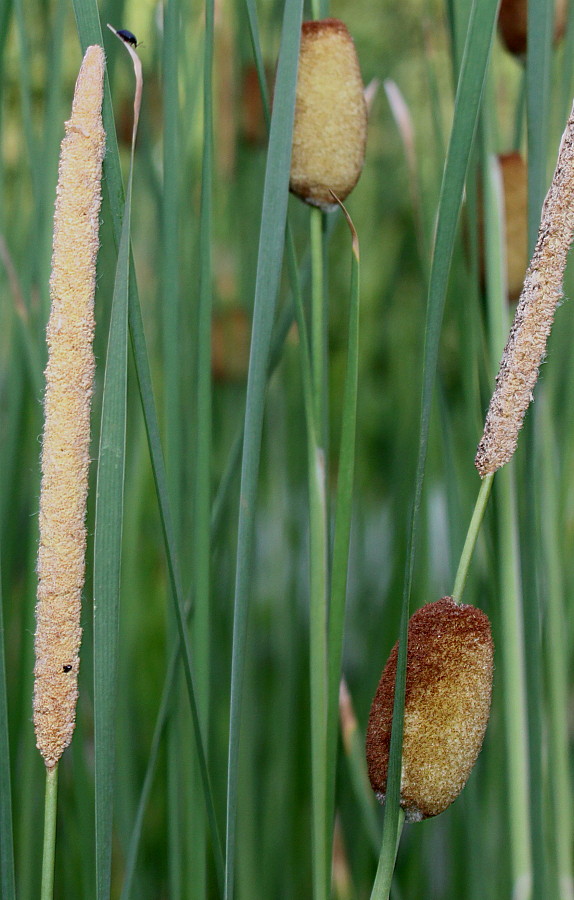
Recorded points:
(540,296)
(66,440)
(448,689)
(330,128)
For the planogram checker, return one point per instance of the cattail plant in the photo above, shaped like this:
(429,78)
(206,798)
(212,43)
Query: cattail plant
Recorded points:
(330,129)
(513,24)
(447,704)
(540,296)
(66,441)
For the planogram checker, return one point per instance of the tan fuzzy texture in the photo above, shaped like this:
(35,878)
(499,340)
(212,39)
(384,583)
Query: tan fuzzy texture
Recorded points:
(447,704)
(330,128)
(66,440)
(541,293)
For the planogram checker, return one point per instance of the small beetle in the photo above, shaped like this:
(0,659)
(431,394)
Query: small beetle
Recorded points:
(127,36)
(67,668)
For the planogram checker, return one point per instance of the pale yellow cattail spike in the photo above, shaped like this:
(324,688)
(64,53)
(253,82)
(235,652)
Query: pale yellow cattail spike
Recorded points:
(540,295)
(330,128)
(66,441)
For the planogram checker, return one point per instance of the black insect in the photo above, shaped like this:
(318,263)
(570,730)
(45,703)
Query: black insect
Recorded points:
(67,668)
(127,36)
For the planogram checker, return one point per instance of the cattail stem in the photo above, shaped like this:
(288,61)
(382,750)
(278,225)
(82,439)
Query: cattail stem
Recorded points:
(319,555)
(66,442)
(471,537)
(50,805)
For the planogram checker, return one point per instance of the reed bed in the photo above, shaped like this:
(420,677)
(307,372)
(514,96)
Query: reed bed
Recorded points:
(287,404)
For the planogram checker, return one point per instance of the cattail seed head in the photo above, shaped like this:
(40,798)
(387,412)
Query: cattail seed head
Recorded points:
(330,128)
(540,296)
(447,704)
(66,440)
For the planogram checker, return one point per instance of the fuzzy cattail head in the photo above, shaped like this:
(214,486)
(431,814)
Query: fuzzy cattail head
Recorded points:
(330,127)
(532,323)
(66,441)
(447,704)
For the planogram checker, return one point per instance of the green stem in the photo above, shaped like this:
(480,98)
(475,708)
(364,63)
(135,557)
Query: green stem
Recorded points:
(471,537)
(384,877)
(513,673)
(318,342)
(49,848)
(319,572)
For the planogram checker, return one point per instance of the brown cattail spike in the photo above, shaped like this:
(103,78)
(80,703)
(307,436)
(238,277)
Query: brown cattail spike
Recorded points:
(541,293)
(448,688)
(66,441)
(330,127)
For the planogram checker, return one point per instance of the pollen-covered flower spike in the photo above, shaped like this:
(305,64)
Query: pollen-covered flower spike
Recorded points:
(66,440)
(532,323)
(330,129)
(447,704)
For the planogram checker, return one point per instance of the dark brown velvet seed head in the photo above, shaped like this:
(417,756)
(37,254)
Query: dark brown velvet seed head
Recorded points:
(448,689)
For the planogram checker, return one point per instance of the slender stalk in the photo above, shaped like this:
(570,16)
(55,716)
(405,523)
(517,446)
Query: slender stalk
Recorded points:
(318,324)
(513,673)
(471,537)
(272,234)
(319,563)
(557,659)
(512,639)
(49,846)
(343,517)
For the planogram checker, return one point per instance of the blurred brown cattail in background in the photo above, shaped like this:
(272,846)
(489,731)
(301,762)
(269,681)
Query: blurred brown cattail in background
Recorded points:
(230,342)
(514,175)
(515,185)
(252,120)
(330,129)
(447,704)
(66,441)
(513,24)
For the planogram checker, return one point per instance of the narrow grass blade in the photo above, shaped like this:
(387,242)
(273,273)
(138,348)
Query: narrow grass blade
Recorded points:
(202,478)
(467,105)
(318,552)
(107,556)
(538,80)
(90,31)
(343,517)
(7,881)
(512,625)
(556,659)
(272,233)
(171,314)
